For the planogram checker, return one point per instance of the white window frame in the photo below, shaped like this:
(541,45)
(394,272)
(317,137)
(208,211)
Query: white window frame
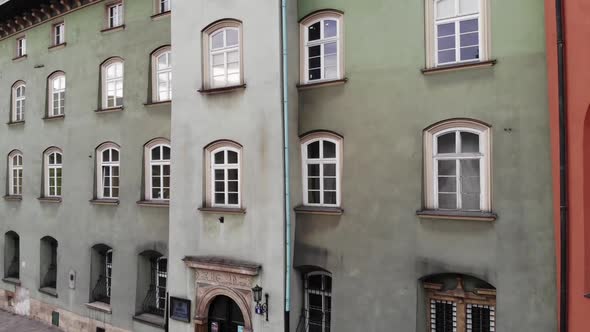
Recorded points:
(304,25)
(305,142)
(432,317)
(208,53)
(21,46)
(113,80)
(15,180)
(323,293)
(108,268)
(19,102)
(157,71)
(115,18)
(51,111)
(47,167)
(469,315)
(100,164)
(163,6)
(431,158)
(161,274)
(431,36)
(225,167)
(156,143)
(210,152)
(59,33)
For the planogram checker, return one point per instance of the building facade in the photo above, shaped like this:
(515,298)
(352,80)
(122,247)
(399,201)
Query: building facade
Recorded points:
(82,119)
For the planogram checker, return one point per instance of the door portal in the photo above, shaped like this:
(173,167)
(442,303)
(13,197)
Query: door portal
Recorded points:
(225,315)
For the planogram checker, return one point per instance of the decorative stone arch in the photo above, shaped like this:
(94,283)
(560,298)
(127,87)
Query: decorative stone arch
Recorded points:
(212,292)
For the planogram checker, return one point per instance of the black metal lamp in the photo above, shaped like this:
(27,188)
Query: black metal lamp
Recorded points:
(261,309)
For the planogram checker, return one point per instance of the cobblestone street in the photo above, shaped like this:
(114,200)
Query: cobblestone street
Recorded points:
(14,323)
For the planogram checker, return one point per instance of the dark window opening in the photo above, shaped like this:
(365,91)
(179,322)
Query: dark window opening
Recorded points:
(48,263)
(11,255)
(101,273)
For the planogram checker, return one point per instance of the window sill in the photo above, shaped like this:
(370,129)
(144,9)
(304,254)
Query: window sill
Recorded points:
(457,67)
(19,58)
(48,291)
(113,29)
(104,201)
(319,210)
(222,90)
(55,117)
(13,198)
(154,203)
(57,47)
(457,215)
(305,86)
(110,109)
(160,15)
(49,199)
(100,306)
(150,319)
(15,123)
(154,104)
(13,281)
(222,210)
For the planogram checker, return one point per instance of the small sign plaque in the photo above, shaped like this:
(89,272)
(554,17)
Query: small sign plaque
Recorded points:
(180,309)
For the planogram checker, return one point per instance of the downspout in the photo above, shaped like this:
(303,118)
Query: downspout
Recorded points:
(285,68)
(563,216)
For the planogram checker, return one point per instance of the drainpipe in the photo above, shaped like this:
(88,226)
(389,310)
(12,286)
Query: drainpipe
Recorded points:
(563,216)
(285,68)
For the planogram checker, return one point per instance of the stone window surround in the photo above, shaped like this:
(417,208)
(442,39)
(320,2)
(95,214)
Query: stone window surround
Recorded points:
(206,35)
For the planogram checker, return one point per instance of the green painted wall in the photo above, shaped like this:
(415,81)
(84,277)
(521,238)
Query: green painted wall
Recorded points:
(75,223)
(378,249)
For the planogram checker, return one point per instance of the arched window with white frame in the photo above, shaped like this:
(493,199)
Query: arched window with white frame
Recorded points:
(57,94)
(158,154)
(224,164)
(318,301)
(162,75)
(112,83)
(19,98)
(15,173)
(321,155)
(457,169)
(53,160)
(108,167)
(322,53)
(222,56)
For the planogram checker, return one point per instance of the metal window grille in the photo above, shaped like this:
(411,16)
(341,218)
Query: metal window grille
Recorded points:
(109,271)
(481,318)
(443,316)
(318,303)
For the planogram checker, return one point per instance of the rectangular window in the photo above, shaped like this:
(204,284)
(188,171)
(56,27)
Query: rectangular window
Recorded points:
(115,15)
(481,318)
(318,302)
(226,181)
(443,316)
(109,272)
(161,281)
(59,31)
(321,168)
(21,47)
(163,6)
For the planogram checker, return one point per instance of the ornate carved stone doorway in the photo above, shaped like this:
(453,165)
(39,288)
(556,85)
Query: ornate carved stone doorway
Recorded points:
(216,278)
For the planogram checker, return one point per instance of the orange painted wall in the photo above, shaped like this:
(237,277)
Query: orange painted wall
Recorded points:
(577,32)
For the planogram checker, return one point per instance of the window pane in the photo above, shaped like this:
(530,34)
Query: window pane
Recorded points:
(447,201)
(470,202)
(447,184)
(232,174)
(313,197)
(468,26)
(446,56)
(329,149)
(220,198)
(220,157)
(446,143)
(232,157)
(315,74)
(447,167)
(330,197)
(445,43)
(233,57)
(313,150)
(469,142)
(314,51)
(313,183)
(314,31)
(470,167)
(217,40)
(468,6)
(232,37)
(232,199)
(314,282)
(315,62)
(331,60)
(106,156)
(470,39)
(219,174)
(470,53)
(58,158)
(329,169)
(219,186)
(166,153)
(114,155)
(156,153)
(330,28)
(232,186)
(313,170)
(445,8)
(329,184)
(331,48)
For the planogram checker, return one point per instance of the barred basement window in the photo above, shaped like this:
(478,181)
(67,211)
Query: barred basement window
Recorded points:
(48,264)
(318,302)
(101,269)
(481,318)
(11,255)
(443,316)
(152,277)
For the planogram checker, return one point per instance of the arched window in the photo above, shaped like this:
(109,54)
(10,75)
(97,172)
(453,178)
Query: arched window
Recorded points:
(322,56)
(48,265)
(57,94)
(457,155)
(15,173)
(457,31)
(53,172)
(12,256)
(223,54)
(162,74)
(318,301)
(112,85)
(321,153)
(157,170)
(108,165)
(19,98)
(224,168)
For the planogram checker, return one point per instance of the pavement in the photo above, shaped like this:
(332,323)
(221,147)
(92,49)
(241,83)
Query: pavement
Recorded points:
(13,323)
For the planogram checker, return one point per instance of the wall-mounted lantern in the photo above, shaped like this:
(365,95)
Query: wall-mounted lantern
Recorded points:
(261,309)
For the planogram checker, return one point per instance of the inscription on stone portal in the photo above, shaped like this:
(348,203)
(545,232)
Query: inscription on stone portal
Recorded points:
(223,278)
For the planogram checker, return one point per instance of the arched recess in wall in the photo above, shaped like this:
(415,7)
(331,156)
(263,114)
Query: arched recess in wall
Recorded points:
(586,197)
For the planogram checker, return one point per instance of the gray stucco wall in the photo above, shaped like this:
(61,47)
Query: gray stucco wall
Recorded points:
(75,223)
